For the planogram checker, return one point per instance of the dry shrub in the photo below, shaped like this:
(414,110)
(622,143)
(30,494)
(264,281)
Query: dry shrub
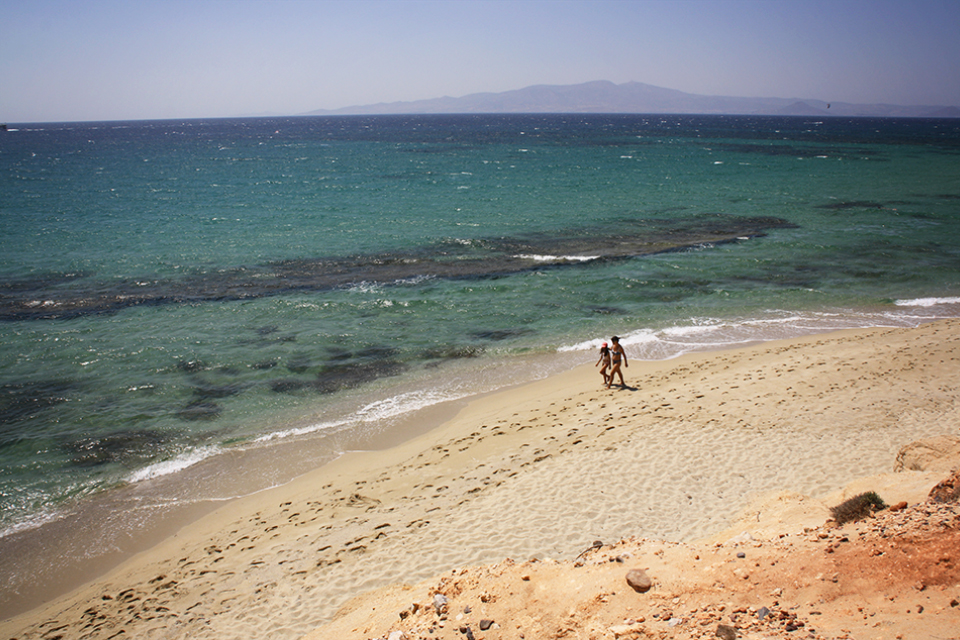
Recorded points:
(857,507)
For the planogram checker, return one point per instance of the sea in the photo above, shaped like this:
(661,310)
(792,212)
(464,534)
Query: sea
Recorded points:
(196,310)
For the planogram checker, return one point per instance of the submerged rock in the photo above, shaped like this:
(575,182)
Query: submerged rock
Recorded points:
(337,377)
(202,389)
(115,447)
(200,410)
(22,401)
(191,366)
(497,257)
(288,385)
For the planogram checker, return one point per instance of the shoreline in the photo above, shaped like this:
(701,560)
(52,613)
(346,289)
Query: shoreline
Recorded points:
(85,531)
(306,435)
(97,538)
(541,470)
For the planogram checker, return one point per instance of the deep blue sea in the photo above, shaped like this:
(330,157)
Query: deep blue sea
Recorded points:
(180,298)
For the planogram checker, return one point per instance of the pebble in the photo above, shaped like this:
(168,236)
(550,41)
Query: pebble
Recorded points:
(624,630)
(726,633)
(639,581)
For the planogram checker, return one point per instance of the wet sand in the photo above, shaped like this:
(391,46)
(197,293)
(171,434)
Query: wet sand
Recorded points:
(542,471)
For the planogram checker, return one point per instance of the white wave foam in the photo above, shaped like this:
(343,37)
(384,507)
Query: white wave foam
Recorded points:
(402,404)
(639,337)
(926,302)
(778,321)
(713,333)
(364,287)
(301,431)
(588,345)
(35,521)
(375,411)
(179,463)
(414,280)
(548,258)
(681,332)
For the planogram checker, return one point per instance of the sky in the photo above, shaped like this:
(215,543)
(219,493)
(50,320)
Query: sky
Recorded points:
(84,60)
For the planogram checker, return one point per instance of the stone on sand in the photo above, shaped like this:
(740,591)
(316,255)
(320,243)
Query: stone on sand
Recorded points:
(639,580)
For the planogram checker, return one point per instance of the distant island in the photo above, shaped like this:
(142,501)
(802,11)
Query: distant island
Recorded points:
(636,97)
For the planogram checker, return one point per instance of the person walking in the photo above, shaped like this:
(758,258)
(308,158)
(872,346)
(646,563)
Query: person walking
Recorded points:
(605,362)
(616,355)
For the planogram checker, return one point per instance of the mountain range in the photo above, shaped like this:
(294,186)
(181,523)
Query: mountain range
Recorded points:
(635,97)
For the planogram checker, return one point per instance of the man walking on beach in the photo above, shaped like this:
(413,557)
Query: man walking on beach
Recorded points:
(616,353)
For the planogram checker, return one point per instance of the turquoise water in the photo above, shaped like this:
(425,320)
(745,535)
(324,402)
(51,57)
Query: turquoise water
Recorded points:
(175,292)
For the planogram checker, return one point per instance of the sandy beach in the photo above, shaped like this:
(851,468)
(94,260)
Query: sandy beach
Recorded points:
(697,460)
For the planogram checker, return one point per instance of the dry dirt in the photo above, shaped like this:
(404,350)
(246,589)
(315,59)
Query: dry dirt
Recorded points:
(895,575)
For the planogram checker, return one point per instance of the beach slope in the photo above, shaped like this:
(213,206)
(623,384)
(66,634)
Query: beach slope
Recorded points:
(744,449)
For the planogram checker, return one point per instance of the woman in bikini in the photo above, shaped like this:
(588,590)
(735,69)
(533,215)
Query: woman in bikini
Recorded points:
(605,361)
(616,353)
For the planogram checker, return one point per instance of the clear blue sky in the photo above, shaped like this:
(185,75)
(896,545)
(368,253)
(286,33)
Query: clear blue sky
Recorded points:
(64,60)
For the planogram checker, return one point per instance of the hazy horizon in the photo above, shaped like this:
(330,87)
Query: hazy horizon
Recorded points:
(110,60)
